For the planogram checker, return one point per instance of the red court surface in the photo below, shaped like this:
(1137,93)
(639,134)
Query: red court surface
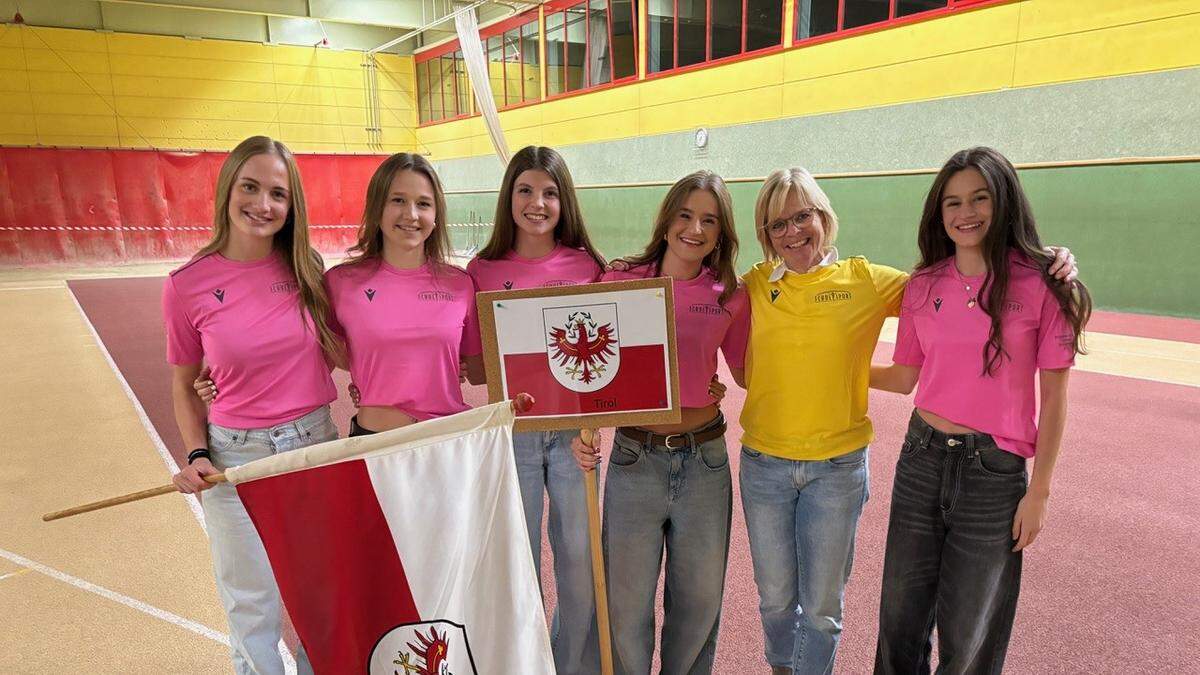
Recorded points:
(1111,586)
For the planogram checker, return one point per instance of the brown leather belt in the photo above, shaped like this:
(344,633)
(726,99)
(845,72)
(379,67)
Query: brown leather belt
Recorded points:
(666,441)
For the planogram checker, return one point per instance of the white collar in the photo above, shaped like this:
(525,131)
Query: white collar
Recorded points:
(780,268)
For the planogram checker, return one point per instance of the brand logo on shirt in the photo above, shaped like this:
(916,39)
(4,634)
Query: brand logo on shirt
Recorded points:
(285,287)
(370,293)
(832,296)
(508,285)
(435,296)
(558,282)
(937,304)
(1013,306)
(219,294)
(774,294)
(701,308)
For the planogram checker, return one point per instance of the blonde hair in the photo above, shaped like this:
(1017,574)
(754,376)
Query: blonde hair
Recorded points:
(370,238)
(291,240)
(721,259)
(774,193)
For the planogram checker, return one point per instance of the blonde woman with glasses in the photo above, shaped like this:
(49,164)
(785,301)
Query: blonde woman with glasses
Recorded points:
(803,474)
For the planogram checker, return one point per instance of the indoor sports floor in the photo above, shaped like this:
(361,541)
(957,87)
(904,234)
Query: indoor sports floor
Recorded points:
(1111,586)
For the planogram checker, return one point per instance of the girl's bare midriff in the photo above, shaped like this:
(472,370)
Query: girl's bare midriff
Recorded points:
(382,418)
(944,425)
(690,420)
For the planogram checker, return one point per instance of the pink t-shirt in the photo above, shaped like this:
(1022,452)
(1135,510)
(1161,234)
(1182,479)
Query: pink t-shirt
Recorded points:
(702,325)
(405,330)
(245,320)
(561,267)
(944,337)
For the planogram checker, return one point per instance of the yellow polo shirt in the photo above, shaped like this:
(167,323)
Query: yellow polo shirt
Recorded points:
(809,363)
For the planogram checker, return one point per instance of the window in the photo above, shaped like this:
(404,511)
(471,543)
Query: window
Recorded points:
(661,36)
(423,92)
(495,62)
(555,36)
(531,72)
(687,32)
(599,56)
(576,18)
(513,79)
(624,39)
(462,83)
(821,17)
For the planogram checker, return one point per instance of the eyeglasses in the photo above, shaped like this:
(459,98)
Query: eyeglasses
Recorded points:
(799,219)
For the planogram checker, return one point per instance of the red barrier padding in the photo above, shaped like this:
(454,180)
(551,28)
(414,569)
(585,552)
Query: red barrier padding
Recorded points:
(83,206)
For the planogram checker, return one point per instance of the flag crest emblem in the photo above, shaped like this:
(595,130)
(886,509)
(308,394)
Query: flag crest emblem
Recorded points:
(582,345)
(425,648)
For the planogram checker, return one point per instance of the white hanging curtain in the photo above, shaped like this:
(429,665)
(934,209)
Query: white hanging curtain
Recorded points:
(598,36)
(477,70)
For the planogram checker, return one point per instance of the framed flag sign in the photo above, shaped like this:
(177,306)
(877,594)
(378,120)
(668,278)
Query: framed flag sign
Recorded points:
(596,355)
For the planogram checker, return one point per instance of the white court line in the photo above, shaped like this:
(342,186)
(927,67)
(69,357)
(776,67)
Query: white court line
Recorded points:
(132,603)
(172,466)
(31,288)
(289,663)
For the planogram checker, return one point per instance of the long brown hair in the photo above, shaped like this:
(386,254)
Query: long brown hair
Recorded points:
(370,237)
(291,240)
(570,230)
(1012,228)
(721,259)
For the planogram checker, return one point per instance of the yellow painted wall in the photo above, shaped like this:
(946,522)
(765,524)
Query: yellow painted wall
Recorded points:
(87,88)
(1017,44)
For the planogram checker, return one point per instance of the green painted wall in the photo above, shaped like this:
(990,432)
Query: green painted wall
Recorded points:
(1135,229)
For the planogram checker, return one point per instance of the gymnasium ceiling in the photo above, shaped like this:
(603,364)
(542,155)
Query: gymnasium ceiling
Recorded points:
(345,24)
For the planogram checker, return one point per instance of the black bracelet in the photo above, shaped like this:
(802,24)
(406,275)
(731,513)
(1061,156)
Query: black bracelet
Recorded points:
(197,454)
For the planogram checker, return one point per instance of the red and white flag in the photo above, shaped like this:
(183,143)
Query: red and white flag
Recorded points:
(587,353)
(405,552)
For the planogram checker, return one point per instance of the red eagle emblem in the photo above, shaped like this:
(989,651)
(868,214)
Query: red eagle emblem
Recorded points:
(431,653)
(582,347)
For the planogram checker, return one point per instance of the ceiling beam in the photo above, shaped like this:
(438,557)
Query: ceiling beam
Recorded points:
(250,12)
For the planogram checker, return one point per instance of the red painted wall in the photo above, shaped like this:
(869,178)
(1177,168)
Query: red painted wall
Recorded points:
(80,206)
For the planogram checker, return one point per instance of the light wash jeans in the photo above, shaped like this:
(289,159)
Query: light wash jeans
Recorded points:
(545,465)
(678,499)
(802,517)
(244,579)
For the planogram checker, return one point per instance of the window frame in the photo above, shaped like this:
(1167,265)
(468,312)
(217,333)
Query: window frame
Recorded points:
(893,21)
(709,62)
(561,7)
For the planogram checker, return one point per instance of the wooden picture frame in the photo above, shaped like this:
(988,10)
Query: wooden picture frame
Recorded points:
(488,302)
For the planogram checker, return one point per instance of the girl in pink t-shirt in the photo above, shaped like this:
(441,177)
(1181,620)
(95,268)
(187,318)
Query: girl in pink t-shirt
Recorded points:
(981,317)
(539,239)
(407,315)
(251,306)
(668,486)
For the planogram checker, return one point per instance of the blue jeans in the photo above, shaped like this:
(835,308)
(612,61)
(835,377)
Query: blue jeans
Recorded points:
(244,578)
(678,499)
(802,517)
(545,465)
(949,554)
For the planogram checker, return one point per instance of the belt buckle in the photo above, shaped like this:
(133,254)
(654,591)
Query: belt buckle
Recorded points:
(953,442)
(667,441)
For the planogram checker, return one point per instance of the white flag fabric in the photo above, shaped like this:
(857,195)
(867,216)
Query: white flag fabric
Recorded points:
(405,551)
(467,28)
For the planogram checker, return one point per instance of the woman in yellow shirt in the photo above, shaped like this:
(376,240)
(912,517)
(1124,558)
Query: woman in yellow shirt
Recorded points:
(815,320)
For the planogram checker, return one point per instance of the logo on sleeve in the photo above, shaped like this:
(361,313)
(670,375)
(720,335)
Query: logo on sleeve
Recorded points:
(508,285)
(937,304)
(219,294)
(370,293)
(774,294)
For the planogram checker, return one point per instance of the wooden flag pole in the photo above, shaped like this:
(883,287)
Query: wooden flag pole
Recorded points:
(592,480)
(125,499)
(520,403)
